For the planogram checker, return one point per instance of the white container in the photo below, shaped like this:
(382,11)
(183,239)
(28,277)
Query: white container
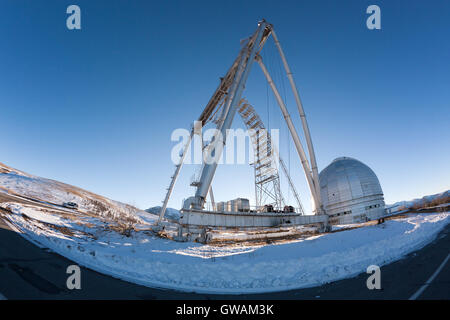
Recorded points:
(242,205)
(220,206)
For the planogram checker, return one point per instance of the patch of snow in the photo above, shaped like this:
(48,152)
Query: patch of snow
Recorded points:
(36,214)
(148,260)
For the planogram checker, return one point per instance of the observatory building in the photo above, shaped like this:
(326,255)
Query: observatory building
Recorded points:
(350,192)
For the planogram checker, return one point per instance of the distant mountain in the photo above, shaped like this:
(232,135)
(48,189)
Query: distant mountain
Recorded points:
(424,202)
(171,213)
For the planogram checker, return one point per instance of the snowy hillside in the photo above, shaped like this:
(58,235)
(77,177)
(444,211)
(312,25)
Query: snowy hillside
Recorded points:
(16,182)
(424,202)
(171,213)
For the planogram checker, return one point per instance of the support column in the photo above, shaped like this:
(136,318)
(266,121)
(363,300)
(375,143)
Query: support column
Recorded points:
(236,90)
(174,178)
(294,134)
(298,101)
(211,196)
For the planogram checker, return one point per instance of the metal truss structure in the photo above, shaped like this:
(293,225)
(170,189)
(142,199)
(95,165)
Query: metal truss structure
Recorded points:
(266,160)
(225,103)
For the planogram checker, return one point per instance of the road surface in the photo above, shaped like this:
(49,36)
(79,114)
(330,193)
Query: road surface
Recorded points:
(30,272)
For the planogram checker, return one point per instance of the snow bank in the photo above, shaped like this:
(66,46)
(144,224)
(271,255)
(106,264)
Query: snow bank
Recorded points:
(157,262)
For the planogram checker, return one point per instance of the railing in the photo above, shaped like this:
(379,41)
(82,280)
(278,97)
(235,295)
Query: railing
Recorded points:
(225,207)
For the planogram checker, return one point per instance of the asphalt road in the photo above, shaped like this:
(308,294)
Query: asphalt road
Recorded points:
(30,272)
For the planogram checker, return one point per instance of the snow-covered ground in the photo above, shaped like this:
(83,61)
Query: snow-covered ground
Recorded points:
(148,260)
(94,236)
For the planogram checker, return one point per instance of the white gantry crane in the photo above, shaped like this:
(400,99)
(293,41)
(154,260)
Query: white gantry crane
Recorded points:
(267,179)
(223,105)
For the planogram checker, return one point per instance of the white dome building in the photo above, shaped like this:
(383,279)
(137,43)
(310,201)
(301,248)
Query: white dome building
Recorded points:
(350,192)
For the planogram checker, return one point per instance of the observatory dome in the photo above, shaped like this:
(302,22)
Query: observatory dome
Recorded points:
(350,192)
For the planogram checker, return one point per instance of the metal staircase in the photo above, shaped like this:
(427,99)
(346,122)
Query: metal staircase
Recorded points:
(267,179)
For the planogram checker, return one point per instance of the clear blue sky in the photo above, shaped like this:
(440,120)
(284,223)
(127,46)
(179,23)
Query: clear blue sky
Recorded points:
(96,107)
